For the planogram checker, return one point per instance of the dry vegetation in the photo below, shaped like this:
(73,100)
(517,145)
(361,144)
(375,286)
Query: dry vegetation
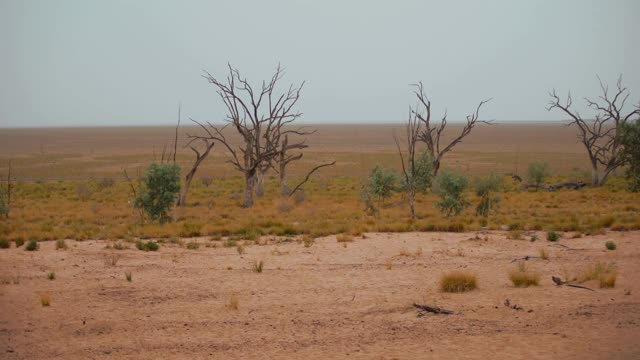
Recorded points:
(324,291)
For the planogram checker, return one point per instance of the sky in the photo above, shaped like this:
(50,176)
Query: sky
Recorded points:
(95,63)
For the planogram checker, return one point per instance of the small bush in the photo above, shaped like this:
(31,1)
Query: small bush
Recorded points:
(458,282)
(537,173)
(515,235)
(240,249)
(258,266)
(485,189)
(553,236)
(51,275)
(128,275)
(161,187)
(119,246)
(19,241)
(610,245)
(193,246)
(32,245)
(61,244)
(4,244)
(450,186)
(523,278)
(308,241)
(147,246)
(229,243)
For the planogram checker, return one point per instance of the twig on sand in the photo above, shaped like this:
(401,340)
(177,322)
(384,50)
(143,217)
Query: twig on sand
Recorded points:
(559,282)
(432,309)
(526,258)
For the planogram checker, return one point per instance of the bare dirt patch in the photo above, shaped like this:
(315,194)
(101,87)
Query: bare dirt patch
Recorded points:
(322,301)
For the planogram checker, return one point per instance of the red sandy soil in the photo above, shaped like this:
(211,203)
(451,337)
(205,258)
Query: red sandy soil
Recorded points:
(324,301)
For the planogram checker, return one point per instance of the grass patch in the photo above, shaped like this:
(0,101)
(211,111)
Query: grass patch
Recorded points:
(553,236)
(119,246)
(521,277)
(610,245)
(458,282)
(515,235)
(19,241)
(51,275)
(32,245)
(193,245)
(45,299)
(4,244)
(341,238)
(61,244)
(544,254)
(604,273)
(233,303)
(258,266)
(147,246)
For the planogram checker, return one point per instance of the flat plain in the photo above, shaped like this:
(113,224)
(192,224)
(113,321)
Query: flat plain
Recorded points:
(335,282)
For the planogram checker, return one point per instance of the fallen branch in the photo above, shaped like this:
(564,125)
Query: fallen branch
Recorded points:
(559,282)
(435,310)
(525,258)
(565,247)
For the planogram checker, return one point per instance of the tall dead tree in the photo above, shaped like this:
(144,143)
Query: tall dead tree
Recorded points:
(600,136)
(409,168)
(254,115)
(432,133)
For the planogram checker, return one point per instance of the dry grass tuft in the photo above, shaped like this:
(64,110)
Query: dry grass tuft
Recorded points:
(258,266)
(389,264)
(342,238)
(128,275)
(605,273)
(233,303)
(45,299)
(240,249)
(543,253)
(458,282)
(112,259)
(51,275)
(61,244)
(521,277)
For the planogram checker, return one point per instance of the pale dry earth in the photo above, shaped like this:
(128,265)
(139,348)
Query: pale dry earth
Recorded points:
(318,302)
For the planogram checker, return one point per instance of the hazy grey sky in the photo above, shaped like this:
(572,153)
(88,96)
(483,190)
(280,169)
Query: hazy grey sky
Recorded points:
(85,63)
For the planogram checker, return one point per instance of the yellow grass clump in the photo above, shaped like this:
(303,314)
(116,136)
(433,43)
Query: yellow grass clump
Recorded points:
(458,282)
(521,277)
(604,273)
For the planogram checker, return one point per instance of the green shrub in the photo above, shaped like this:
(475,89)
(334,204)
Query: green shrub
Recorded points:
(553,236)
(4,244)
(485,187)
(193,246)
(451,187)
(32,245)
(19,241)
(610,245)
(161,186)
(119,246)
(147,246)
(537,173)
(381,183)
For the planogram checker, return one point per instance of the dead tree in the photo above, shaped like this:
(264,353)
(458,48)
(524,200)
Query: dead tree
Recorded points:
(432,133)
(208,146)
(409,169)
(253,114)
(600,136)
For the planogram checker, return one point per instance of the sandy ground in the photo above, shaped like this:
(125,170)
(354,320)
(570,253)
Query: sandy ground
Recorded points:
(324,301)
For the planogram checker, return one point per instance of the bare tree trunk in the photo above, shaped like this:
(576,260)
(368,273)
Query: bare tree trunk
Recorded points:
(412,202)
(436,167)
(249,185)
(284,186)
(259,183)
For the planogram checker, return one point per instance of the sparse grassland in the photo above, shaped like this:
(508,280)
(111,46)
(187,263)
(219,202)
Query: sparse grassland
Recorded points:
(458,282)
